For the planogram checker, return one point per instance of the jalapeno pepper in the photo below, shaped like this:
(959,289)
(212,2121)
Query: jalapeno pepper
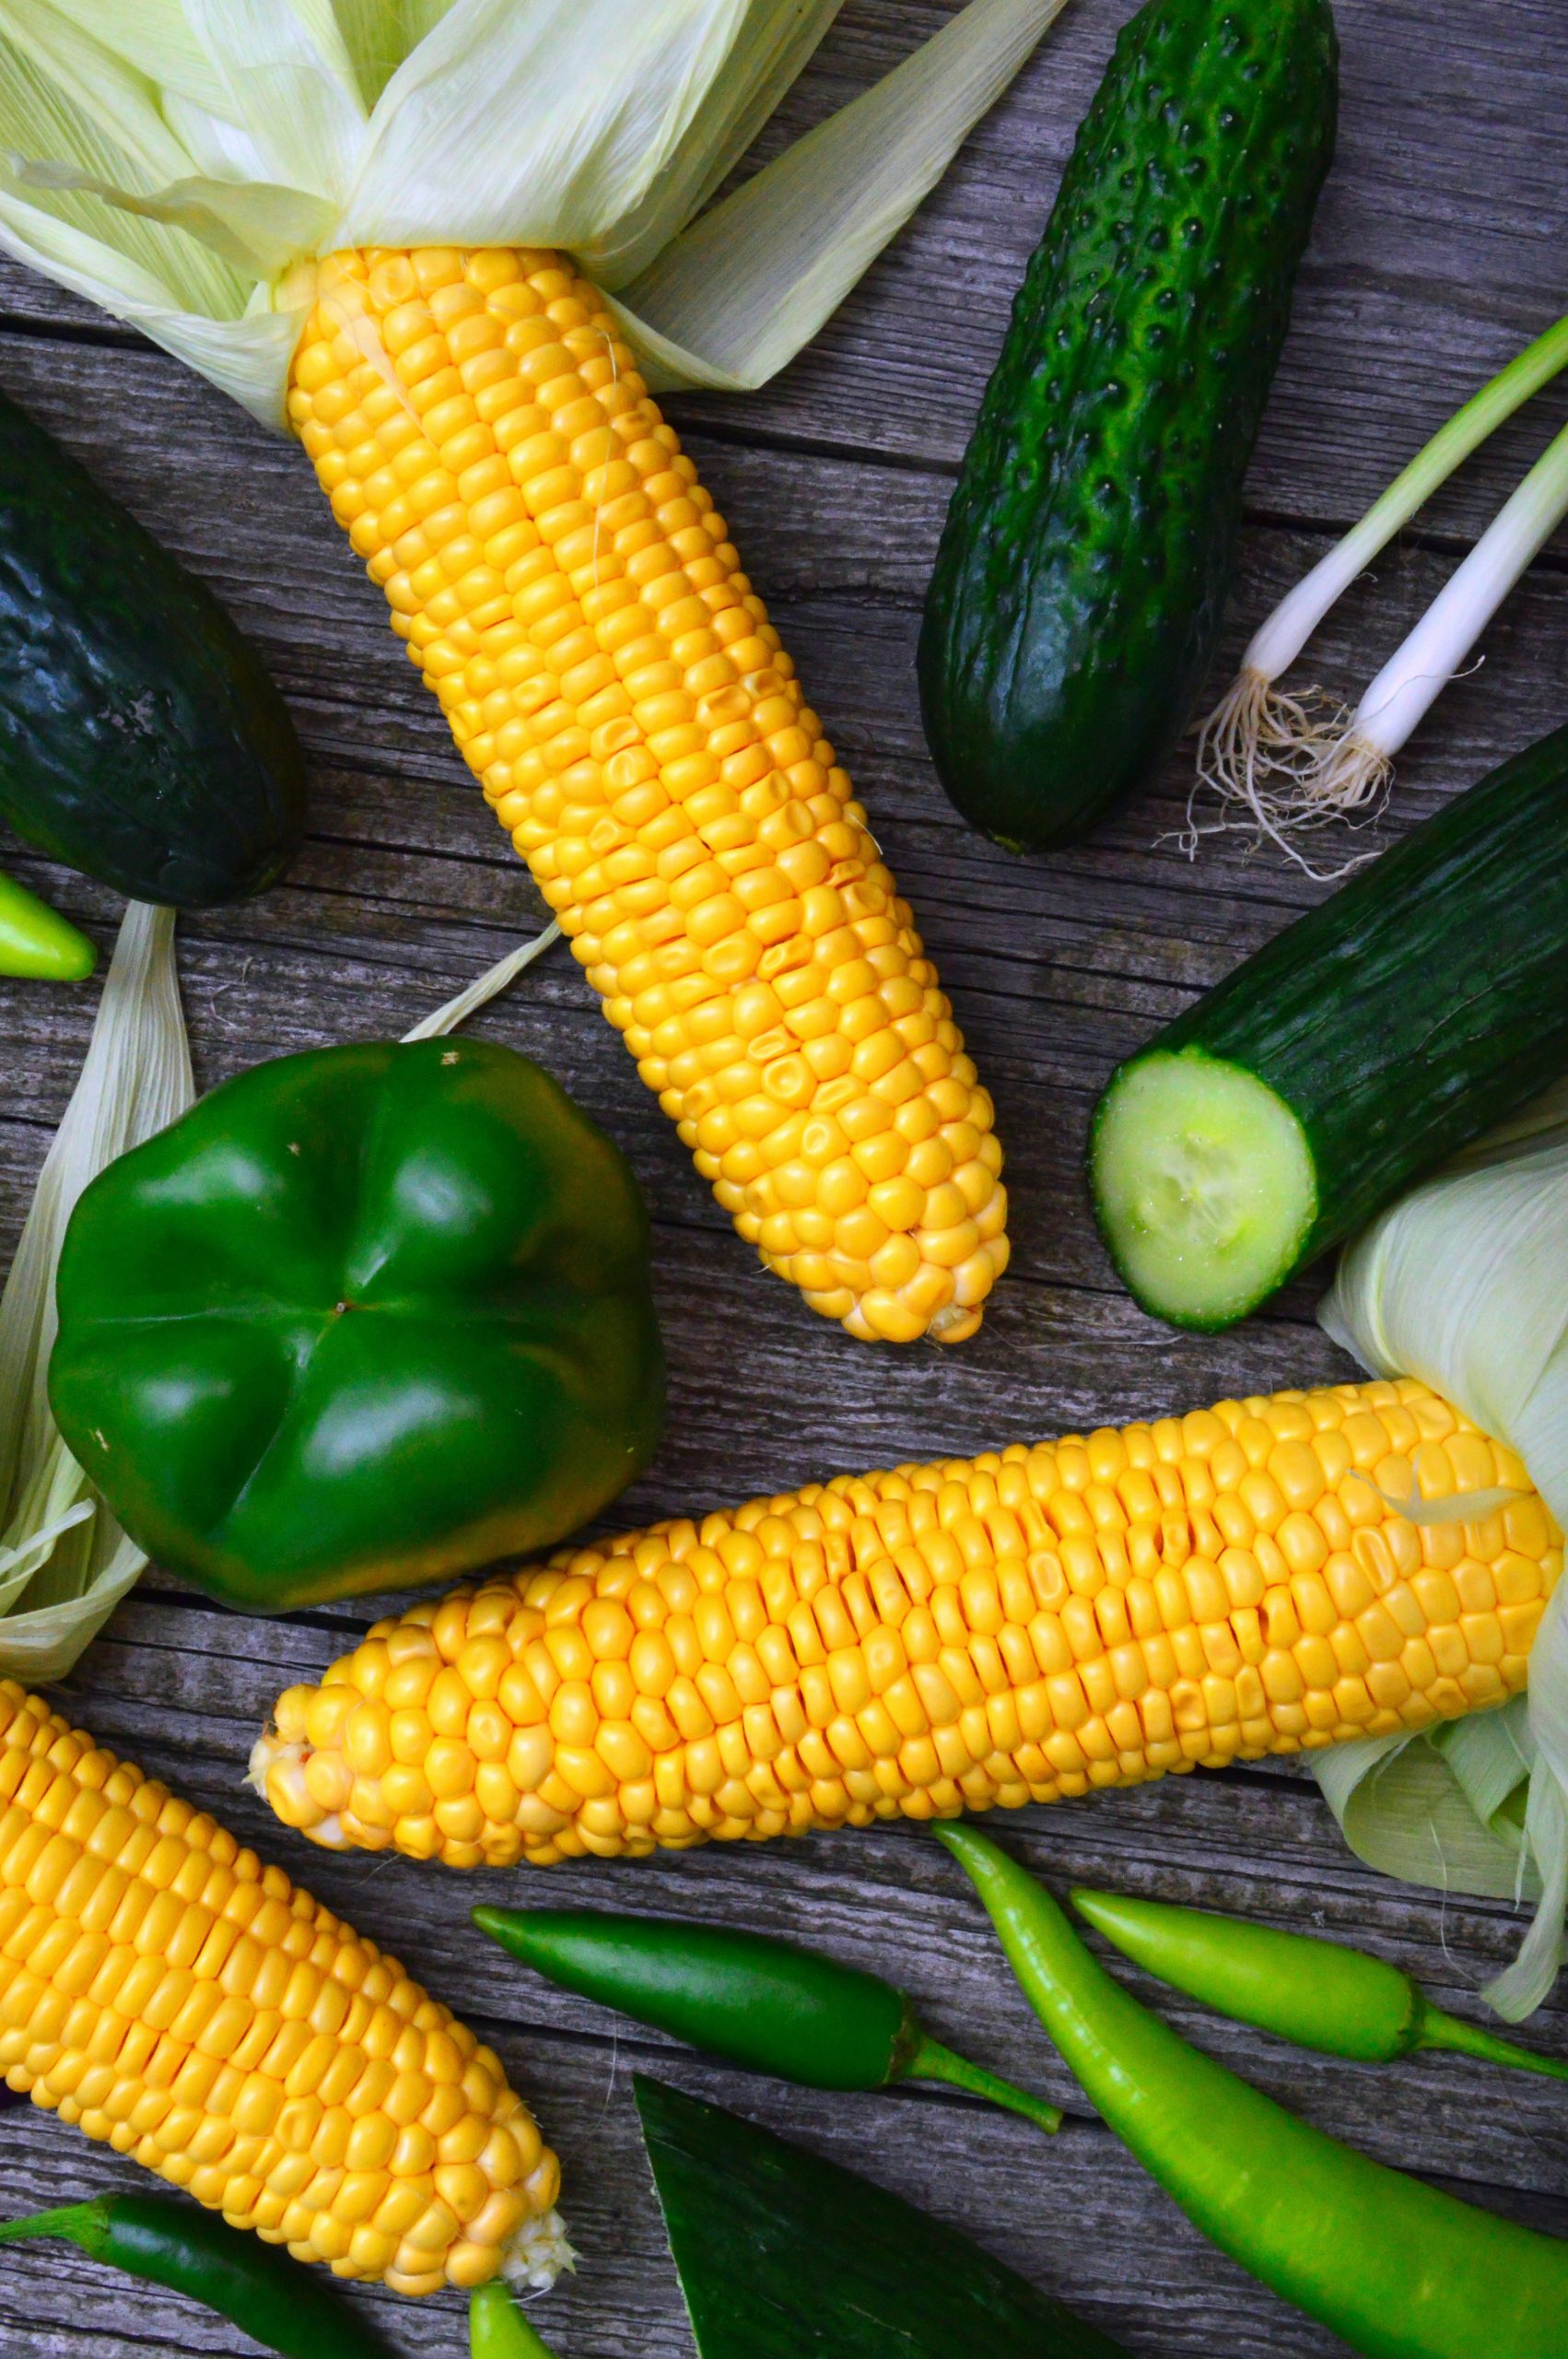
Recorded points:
(278,2302)
(1396,2267)
(750,1999)
(497,2328)
(1320,1994)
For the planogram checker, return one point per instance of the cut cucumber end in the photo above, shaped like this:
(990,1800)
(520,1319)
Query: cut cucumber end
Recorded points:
(1204,1185)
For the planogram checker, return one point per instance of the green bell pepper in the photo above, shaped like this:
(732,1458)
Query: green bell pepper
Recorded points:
(362,1318)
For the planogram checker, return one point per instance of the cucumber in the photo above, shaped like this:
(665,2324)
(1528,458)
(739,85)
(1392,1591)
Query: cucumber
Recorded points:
(1081,577)
(1418,1006)
(141,740)
(782,2255)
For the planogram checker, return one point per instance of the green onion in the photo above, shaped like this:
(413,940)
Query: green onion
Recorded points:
(1280,764)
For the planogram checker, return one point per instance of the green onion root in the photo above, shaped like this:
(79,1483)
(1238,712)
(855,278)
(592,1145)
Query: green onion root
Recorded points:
(1277,766)
(1352,774)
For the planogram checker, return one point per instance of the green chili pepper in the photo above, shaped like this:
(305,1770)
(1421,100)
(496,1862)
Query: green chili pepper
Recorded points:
(37,940)
(752,2001)
(1317,1993)
(275,2300)
(1396,2268)
(497,2328)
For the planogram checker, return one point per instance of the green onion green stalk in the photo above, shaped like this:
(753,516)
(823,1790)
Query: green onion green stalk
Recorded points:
(1283,765)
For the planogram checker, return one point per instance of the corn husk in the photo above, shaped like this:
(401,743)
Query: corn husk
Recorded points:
(65,1562)
(475,996)
(183,163)
(1464,1283)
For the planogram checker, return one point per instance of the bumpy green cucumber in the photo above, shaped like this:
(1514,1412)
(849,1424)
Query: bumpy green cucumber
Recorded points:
(141,740)
(1081,577)
(1374,1035)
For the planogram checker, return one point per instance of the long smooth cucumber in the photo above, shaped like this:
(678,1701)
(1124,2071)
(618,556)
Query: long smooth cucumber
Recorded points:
(1377,1034)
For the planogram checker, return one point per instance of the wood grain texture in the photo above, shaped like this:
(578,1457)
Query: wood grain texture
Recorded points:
(1437,252)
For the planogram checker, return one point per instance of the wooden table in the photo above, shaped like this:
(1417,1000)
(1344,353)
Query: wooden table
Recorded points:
(1439,250)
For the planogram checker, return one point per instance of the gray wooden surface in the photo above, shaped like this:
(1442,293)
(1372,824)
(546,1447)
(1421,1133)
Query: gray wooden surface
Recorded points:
(1439,248)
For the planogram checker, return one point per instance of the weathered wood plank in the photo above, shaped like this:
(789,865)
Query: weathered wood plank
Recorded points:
(407,885)
(841,551)
(1437,254)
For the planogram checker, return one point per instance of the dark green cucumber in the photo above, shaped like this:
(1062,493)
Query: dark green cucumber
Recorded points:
(1081,577)
(1370,1039)
(141,740)
(784,2255)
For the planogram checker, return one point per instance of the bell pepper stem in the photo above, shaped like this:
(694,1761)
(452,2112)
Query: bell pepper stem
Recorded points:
(931,2061)
(1440,2030)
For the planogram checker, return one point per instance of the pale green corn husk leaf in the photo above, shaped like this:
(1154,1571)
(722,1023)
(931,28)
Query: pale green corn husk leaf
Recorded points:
(378,34)
(779,36)
(1464,1283)
(182,162)
(155,36)
(65,1562)
(735,297)
(536,126)
(1407,1815)
(256,230)
(289,90)
(119,140)
(495,978)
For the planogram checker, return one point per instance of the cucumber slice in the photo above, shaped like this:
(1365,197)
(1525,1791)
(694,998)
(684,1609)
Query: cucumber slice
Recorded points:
(1204,1176)
(1403,1017)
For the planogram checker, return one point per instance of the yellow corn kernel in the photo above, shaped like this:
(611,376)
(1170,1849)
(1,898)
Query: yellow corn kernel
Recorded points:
(956,1635)
(243,2066)
(563,582)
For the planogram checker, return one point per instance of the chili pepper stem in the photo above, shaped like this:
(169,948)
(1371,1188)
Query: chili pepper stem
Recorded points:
(930,2061)
(1440,2030)
(68,2219)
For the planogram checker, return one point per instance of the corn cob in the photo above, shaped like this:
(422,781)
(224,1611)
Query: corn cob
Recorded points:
(162,1989)
(1015,1628)
(564,586)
